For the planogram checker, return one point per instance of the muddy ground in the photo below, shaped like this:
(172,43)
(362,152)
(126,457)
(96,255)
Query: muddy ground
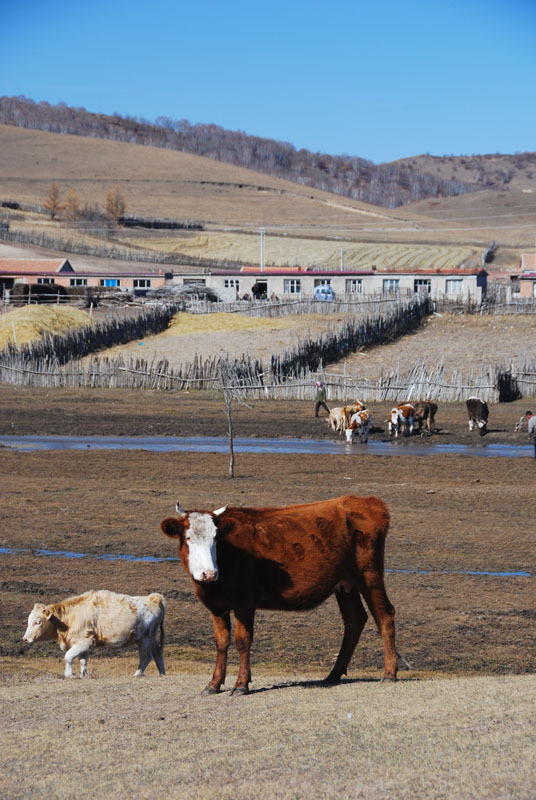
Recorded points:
(451,515)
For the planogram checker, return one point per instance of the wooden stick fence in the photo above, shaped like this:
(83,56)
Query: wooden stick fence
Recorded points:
(289,377)
(248,380)
(347,304)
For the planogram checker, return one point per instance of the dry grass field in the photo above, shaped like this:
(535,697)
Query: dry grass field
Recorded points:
(303,225)
(468,738)
(458,724)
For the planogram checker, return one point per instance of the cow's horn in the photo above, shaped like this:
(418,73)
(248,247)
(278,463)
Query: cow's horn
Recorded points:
(219,511)
(180,510)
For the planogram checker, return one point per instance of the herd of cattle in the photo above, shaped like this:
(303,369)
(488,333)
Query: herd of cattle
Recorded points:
(355,420)
(243,559)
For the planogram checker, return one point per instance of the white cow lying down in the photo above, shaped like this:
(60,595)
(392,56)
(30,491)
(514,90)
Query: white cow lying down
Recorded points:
(101,618)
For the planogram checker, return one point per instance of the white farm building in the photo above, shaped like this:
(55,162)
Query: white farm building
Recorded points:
(469,284)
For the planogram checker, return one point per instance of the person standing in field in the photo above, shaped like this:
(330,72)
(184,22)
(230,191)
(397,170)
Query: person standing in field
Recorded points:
(320,398)
(531,425)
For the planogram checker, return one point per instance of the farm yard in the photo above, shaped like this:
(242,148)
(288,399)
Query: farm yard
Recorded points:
(460,557)
(458,723)
(499,339)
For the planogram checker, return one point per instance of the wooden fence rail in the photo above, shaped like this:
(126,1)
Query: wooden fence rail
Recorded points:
(291,376)
(249,380)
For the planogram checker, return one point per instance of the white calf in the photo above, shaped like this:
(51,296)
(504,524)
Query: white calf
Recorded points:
(101,618)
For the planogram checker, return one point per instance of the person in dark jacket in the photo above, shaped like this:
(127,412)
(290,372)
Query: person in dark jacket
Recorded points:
(320,398)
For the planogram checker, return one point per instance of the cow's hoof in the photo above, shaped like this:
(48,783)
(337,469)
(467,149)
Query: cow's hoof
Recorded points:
(240,690)
(389,679)
(210,690)
(332,680)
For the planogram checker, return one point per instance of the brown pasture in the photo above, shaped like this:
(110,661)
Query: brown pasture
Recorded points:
(303,225)
(458,723)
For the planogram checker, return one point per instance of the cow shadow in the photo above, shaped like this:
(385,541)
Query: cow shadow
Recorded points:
(316,683)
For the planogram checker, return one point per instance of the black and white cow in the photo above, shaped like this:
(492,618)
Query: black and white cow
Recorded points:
(477,413)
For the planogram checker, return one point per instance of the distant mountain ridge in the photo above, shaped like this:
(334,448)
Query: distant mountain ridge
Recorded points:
(388,185)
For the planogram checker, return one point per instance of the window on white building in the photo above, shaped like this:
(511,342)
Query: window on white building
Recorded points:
(391,285)
(322,282)
(232,283)
(422,286)
(292,286)
(354,285)
(454,286)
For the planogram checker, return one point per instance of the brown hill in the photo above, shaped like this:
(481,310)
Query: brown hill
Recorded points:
(388,185)
(230,203)
(490,171)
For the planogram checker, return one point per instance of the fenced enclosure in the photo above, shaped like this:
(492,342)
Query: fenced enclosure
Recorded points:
(246,378)
(291,306)
(56,361)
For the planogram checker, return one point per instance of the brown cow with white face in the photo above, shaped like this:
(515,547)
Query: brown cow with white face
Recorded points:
(359,426)
(339,418)
(288,559)
(401,416)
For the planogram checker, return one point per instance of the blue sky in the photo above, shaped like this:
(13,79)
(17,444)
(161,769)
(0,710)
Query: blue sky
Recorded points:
(380,80)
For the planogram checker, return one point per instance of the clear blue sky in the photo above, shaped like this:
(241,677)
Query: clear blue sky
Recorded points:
(381,79)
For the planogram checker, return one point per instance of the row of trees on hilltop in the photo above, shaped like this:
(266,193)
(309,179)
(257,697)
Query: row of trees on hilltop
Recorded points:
(388,185)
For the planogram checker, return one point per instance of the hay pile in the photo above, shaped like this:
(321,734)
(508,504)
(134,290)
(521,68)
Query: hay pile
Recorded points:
(183,323)
(33,321)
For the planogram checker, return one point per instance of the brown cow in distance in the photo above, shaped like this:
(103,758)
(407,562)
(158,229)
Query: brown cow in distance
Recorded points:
(424,412)
(289,559)
(477,413)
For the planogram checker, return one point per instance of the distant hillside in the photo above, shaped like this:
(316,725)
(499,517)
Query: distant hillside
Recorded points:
(491,171)
(389,185)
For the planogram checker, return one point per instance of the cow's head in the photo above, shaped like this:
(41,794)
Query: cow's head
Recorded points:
(196,534)
(349,435)
(40,625)
(394,421)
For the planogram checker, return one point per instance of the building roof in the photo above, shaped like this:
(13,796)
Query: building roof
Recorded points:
(31,266)
(316,273)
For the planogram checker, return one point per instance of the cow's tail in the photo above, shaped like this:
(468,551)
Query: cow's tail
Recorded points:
(157,647)
(161,601)
(162,637)
(403,660)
